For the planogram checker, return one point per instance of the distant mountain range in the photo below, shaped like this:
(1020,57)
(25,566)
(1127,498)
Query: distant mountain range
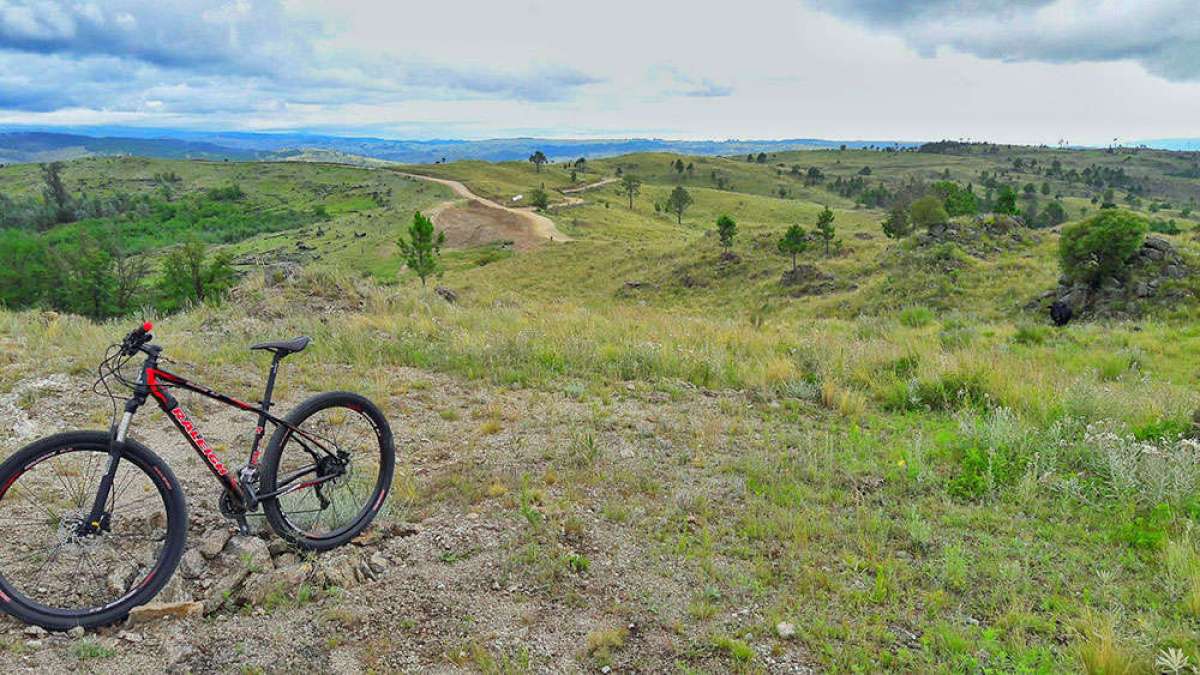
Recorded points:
(40,146)
(47,144)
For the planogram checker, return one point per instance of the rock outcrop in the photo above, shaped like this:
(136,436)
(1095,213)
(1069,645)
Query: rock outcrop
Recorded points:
(980,236)
(1152,279)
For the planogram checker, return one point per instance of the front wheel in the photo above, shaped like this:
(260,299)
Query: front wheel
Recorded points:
(330,470)
(61,564)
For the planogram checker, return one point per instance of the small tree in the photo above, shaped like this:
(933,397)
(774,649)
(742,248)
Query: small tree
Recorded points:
(1096,248)
(423,247)
(129,271)
(1109,200)
(1006,202)
(957,201)
(538,158)
(188,275)
(793,243)
(539,199)
(678,202)
(726,230)
(54,191)
(896,225)
(678,166)
(825,230)
(927,212)
(630,186)
(88,278)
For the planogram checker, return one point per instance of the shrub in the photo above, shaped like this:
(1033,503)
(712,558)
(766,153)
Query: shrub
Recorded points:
(927,212)
(896,226)
(1160,226)
(952,391)
(992,451)
(1098,247)
(1146,472)
(916,317)
(539,199)
(231,193)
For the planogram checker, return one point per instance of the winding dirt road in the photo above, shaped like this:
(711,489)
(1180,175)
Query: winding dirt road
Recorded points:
(540,226)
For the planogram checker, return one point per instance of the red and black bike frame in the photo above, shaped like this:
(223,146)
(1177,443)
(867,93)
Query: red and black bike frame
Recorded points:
(156,382)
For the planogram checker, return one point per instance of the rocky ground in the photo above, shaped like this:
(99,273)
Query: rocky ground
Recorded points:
(527,531)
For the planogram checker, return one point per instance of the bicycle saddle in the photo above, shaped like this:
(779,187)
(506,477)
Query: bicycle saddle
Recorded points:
(285,347)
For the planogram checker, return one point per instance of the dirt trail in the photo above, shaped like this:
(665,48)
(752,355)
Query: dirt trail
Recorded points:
(589,186)
(539,226)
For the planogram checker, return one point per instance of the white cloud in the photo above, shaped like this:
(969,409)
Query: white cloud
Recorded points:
(757,68)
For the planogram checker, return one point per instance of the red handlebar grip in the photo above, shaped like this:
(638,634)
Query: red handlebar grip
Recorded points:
(147,326)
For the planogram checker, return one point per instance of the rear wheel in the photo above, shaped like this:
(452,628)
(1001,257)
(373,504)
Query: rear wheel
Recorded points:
(59,568)
(334,471)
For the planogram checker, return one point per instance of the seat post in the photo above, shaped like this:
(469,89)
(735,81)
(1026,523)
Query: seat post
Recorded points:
(266,402)
(248,473)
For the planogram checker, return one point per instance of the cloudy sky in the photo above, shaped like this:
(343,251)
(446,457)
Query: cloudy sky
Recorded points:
(1084,71)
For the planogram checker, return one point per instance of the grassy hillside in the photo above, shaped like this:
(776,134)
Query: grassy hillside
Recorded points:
(905,466)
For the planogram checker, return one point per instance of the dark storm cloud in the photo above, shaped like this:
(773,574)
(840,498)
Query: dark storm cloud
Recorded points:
(1162,35)
(120,54)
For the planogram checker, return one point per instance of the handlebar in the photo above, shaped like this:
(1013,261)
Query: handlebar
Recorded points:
(136,338)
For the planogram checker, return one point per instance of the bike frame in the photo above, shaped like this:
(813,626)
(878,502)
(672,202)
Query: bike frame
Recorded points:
(154,382)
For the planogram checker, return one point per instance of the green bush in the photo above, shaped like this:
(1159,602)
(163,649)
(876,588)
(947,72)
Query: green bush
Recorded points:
(928,211)
(1098,247)
(1160,226)
(981,471)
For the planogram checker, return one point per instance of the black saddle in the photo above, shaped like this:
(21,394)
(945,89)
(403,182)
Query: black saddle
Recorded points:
(284,347)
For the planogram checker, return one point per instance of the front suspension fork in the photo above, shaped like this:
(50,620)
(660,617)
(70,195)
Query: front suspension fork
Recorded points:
(99,515)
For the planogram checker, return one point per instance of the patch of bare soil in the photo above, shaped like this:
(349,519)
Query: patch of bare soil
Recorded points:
(476,224)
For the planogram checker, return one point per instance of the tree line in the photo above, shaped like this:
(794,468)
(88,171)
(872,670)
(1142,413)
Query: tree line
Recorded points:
(88,255)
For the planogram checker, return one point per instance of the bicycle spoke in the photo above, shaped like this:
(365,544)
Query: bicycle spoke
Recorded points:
(342,498)
(58,560)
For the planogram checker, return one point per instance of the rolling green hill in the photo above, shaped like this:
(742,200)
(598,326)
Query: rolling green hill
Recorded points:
(899,458)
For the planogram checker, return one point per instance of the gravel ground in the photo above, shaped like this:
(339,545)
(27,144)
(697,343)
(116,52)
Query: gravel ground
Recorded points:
(527,530)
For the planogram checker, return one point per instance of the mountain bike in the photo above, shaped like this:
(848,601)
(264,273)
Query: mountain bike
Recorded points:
(93,523)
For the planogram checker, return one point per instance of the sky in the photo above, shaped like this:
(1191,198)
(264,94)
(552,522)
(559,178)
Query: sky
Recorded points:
(1025,71)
